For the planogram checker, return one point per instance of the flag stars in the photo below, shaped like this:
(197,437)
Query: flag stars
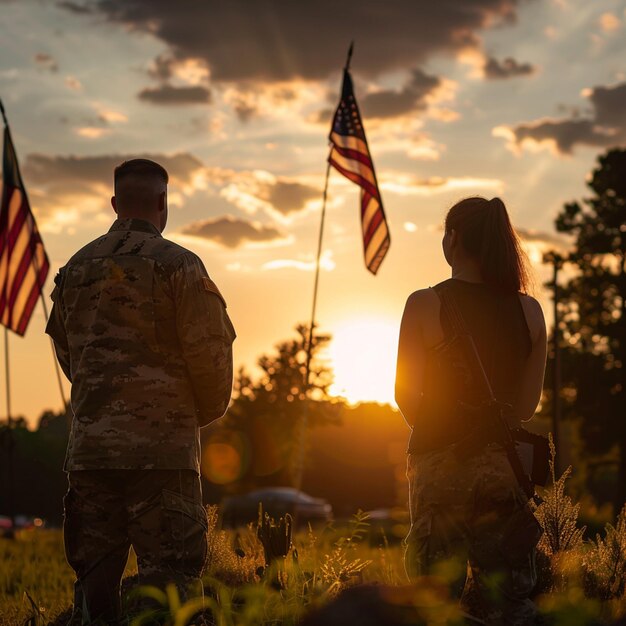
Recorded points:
(347,125)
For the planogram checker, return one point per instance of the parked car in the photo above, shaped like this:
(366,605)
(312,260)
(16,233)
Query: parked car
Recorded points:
(277,501)
(388,526)
(22,522)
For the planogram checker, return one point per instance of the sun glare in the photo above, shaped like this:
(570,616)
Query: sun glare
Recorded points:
(363,356)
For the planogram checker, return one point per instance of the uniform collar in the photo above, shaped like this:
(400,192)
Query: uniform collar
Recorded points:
(133,223)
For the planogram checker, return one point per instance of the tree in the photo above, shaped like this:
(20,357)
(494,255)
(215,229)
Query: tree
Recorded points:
(592,313)
(265,429)
(36,454)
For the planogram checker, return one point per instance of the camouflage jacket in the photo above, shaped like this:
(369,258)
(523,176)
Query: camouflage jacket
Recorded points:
(143,335)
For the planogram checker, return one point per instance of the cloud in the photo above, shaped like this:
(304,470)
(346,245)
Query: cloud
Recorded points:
(65,189)
(288,197)
(609,22)
(326,263)
(245,103)
(412,97)
(74,7)
(161,67)
(110,116)
(537,243)
(422,92)
(610,105)
(232,232)
(64,182)
(46,62)
(531,235)
(73,83)
(181,82)
(274,40)
(42,169)
(190,71)
(406,184)
(251,100)
(562,135)
(508,68)
(422,148)
(171,95)
(91,132)
(260,190)
(605,127)
(489,67)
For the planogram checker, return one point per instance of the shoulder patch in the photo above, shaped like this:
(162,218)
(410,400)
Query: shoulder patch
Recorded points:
(209,285)
(58,284)
(58,278)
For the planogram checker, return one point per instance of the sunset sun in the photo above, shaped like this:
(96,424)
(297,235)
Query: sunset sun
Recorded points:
(363,356)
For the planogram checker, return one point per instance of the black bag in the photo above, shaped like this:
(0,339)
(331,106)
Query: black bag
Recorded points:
(534,451)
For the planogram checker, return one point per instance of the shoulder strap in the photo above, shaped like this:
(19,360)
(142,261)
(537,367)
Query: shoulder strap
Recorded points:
(491,405)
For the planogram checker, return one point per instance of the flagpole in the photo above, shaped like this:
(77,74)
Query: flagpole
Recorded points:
(54,357)
(43,300)
(319,255)
(6,330)
(7,377)
(309,348)
(10,439)
(4,115)
(317,280)
(309,343)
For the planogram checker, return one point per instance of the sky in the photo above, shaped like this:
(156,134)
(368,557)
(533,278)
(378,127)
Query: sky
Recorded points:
(459,97)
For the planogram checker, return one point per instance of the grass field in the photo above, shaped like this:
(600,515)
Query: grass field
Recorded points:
(582,580)
(37,584)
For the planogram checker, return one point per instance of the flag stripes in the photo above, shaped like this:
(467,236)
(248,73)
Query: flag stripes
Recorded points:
(353,172)
(24,264)
(350,156)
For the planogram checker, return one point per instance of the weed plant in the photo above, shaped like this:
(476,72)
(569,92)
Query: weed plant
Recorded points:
(582,581)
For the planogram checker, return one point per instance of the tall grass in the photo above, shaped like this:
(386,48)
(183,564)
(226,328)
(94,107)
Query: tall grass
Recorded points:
(581,580)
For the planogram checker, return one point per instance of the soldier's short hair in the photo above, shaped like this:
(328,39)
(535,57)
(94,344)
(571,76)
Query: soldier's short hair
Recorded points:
(139,168)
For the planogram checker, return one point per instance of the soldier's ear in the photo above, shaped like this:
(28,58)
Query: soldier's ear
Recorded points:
(113,204)
(163,201)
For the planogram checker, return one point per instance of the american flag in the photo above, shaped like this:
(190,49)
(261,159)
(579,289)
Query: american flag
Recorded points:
(23,261)
(350,156)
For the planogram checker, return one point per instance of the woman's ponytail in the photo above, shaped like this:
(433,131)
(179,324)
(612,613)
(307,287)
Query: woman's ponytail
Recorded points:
(486,233)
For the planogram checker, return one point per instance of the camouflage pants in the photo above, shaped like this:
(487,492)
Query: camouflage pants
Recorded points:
(473,512)
(158,512)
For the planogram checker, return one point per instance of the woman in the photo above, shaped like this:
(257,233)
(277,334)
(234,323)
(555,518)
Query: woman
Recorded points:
(466,505)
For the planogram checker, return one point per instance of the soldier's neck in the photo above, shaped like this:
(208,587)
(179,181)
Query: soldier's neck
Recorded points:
(152,219)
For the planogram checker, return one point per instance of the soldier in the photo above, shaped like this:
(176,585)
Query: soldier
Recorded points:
(142,333)
(467,505)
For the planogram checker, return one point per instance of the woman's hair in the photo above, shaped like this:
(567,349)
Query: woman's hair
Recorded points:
(487,235)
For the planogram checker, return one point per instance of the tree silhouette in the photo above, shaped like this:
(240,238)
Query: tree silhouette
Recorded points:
(592,312)
(268,411)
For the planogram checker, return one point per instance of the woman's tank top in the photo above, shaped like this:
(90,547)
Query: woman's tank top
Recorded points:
(498,325)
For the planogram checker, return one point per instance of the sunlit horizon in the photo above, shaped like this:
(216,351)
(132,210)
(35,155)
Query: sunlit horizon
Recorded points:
(362,354)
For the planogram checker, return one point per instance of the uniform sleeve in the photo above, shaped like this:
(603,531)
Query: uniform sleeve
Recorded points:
(56,327)
(206,335)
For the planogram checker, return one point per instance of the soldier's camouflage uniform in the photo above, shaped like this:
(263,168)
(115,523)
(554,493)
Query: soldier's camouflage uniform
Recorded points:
(473,511)
(143,335)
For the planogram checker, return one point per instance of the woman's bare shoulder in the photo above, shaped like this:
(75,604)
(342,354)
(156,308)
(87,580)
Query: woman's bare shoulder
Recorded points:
(534,316)
(422,308)
(423,303)
(423,297)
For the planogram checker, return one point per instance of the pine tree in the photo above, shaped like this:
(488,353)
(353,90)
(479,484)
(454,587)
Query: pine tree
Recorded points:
(592,313)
